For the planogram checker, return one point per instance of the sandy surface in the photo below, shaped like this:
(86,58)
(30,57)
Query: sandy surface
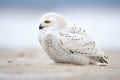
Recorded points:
(34,64)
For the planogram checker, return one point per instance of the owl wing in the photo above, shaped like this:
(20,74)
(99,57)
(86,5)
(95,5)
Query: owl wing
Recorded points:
(76,41)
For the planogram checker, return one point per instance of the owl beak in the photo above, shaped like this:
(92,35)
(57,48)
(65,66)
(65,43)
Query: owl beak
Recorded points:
(41,27)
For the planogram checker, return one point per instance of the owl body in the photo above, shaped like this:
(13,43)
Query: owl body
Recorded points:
(68,43)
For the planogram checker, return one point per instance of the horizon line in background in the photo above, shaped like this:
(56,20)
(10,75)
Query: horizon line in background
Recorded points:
(27,23)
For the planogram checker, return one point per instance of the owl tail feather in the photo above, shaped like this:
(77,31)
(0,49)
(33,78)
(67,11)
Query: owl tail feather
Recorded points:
(100,59)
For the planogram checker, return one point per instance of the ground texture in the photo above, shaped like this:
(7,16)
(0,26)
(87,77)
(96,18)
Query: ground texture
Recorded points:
(34,64)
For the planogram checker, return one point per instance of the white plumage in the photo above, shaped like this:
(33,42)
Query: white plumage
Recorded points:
(65,43)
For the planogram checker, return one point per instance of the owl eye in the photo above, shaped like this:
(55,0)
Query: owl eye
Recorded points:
(47,21)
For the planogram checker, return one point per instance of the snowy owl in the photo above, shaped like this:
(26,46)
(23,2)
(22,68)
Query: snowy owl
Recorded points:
(66,43)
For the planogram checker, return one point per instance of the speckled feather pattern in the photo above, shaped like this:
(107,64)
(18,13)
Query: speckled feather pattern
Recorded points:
(72,46)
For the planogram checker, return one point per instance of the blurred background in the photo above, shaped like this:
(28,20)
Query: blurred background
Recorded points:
(19,20)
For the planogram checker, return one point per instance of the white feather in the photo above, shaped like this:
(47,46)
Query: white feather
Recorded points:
(68,43)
